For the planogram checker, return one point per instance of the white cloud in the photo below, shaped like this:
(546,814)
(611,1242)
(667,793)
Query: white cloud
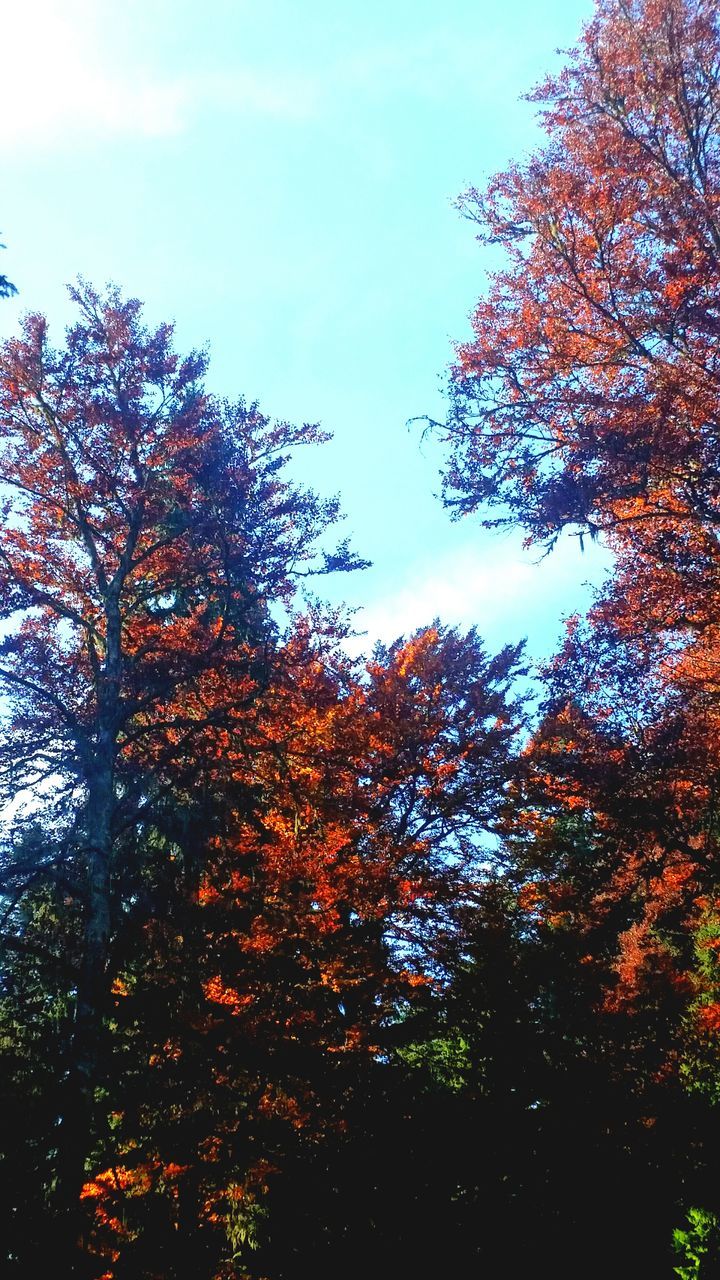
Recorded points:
(502,590)
(54,82)
(87,70)
(60,82)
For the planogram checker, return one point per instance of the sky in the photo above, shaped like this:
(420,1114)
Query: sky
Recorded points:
(278,178)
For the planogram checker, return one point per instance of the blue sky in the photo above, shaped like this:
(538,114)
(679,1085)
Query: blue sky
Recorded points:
(278,178)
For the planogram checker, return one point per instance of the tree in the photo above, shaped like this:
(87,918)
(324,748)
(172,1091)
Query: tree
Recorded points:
(235,855)
(588,399)
(588,393)
(147,530)
(253,1015)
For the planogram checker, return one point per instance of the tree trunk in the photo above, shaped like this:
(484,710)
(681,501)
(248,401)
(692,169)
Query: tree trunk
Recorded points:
(86,1057)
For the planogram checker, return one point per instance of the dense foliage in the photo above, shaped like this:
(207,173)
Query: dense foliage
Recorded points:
(319,965)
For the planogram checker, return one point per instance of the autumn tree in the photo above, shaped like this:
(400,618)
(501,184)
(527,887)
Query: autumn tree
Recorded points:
(587,399)
(234,856)
(588,391)
(320,913)
(613,849)
(147,530)
(587,396)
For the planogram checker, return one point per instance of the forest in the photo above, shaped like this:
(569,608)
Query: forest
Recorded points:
(320,965)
